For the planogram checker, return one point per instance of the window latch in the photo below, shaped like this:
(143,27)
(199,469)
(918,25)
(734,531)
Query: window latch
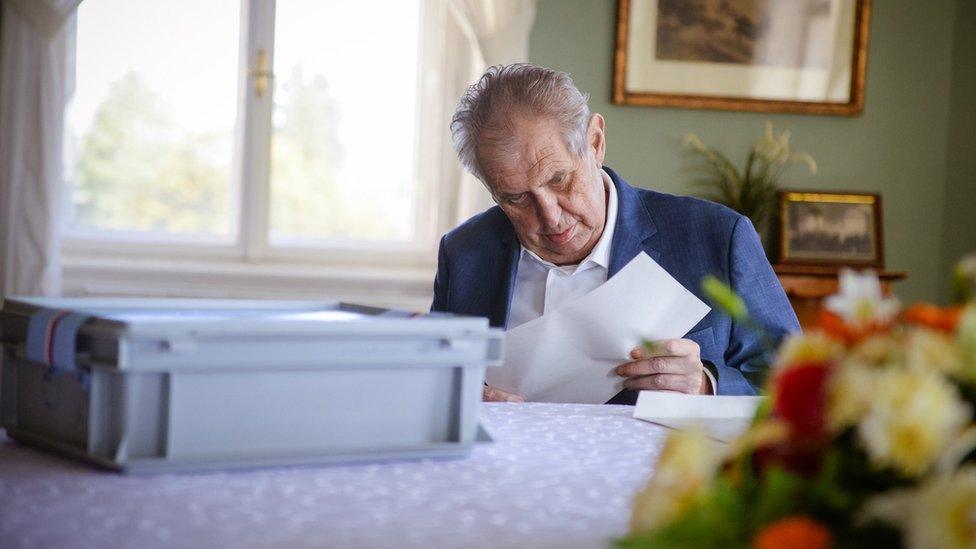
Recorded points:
(260,73)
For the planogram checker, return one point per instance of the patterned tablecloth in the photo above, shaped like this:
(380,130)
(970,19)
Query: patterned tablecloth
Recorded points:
(557,475)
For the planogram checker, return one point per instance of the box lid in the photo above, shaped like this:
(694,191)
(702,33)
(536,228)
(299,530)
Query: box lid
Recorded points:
(174,333)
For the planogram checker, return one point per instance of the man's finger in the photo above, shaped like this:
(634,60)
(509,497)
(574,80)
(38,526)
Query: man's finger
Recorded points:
(670,347)
(662,382)
(650,366)
(494,394)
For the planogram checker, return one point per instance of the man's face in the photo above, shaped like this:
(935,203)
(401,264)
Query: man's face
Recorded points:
(555,199)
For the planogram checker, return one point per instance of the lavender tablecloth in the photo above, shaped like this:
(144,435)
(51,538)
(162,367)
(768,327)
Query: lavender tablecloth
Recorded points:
(557,475)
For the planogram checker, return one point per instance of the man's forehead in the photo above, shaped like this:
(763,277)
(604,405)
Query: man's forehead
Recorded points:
(531,155)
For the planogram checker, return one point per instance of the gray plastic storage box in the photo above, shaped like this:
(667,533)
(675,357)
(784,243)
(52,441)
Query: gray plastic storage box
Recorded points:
(157,384)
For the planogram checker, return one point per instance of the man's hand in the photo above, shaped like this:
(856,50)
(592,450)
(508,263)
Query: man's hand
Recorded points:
(672,365)
(494,394)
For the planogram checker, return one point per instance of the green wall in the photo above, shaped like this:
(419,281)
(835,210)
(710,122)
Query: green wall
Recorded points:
(959,230)
(897,147)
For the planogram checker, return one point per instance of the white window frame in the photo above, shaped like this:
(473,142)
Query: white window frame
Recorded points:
(121,263)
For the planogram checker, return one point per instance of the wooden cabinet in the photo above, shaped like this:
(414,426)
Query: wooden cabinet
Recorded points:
(807,285)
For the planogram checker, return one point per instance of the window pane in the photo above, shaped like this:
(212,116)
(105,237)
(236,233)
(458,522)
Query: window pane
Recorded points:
(344,120)
(153,116)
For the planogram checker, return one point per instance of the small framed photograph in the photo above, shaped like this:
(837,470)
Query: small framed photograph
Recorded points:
(800,56)
(830,228)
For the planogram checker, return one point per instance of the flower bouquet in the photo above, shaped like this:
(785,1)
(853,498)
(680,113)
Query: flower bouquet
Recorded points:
(867,438)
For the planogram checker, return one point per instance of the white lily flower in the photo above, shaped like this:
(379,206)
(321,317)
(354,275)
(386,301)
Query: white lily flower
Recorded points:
(860,301)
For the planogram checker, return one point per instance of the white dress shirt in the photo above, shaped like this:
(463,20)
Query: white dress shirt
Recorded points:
(542,286)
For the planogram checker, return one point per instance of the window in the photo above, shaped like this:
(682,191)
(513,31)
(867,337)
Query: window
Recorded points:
(153,119)
(255,133)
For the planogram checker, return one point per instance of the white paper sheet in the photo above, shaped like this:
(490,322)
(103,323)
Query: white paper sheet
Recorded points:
(721,417)
(569,355)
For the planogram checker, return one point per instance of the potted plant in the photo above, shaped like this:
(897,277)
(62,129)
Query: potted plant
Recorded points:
(752,190)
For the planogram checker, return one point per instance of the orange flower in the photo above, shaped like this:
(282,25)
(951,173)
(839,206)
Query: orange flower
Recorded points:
(795,532)
(834,325)
(943,319)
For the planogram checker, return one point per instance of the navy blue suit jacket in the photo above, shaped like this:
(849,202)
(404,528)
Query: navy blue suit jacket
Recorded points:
(690,238)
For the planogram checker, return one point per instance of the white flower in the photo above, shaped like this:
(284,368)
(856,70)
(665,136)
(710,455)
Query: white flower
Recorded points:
(911,418)
(860,301)
(849,394)
(941,513)
(929,350)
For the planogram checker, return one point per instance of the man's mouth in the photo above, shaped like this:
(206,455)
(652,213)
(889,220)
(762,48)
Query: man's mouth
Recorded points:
(563,237)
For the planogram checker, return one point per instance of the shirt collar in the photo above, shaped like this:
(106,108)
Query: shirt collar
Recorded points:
(600,255)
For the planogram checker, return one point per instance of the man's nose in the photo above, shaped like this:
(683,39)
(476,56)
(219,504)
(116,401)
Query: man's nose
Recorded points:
(549,210)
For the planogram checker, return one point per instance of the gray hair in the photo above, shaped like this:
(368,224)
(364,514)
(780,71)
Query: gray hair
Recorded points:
(504,90)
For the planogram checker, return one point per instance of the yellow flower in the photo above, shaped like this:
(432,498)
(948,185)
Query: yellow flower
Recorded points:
(910,420)
(849,394)
(876,350)
(684,470)
(941,513)
(931,351)
(813,346)
(766,432)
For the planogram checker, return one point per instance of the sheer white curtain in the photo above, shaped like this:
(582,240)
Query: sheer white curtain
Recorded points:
(486,33)
(36,79)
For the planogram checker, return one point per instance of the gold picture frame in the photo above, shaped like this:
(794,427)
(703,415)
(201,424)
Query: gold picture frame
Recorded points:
(677,53)
(830,229)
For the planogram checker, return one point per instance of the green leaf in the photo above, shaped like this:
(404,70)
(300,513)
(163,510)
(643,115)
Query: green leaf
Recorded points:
(724,298)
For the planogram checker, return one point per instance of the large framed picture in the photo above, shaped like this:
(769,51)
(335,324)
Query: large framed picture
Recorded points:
(800,56)
(830,228)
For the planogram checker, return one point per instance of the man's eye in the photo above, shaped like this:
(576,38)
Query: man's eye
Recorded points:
(517,199)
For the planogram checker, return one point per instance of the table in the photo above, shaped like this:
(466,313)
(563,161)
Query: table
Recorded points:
(557,475)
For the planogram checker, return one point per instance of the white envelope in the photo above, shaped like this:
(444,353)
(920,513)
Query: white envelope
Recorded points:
(570,354)
(722,418)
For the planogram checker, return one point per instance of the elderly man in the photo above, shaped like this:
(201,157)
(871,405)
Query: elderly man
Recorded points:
(564,223)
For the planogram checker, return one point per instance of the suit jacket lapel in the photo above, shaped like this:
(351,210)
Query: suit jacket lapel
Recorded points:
(504,270)
(635,228)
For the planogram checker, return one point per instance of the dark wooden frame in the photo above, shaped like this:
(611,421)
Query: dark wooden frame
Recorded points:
(853,107)
(833,197)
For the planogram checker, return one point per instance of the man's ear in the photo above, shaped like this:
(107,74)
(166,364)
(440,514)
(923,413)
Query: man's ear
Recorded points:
(596,137)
